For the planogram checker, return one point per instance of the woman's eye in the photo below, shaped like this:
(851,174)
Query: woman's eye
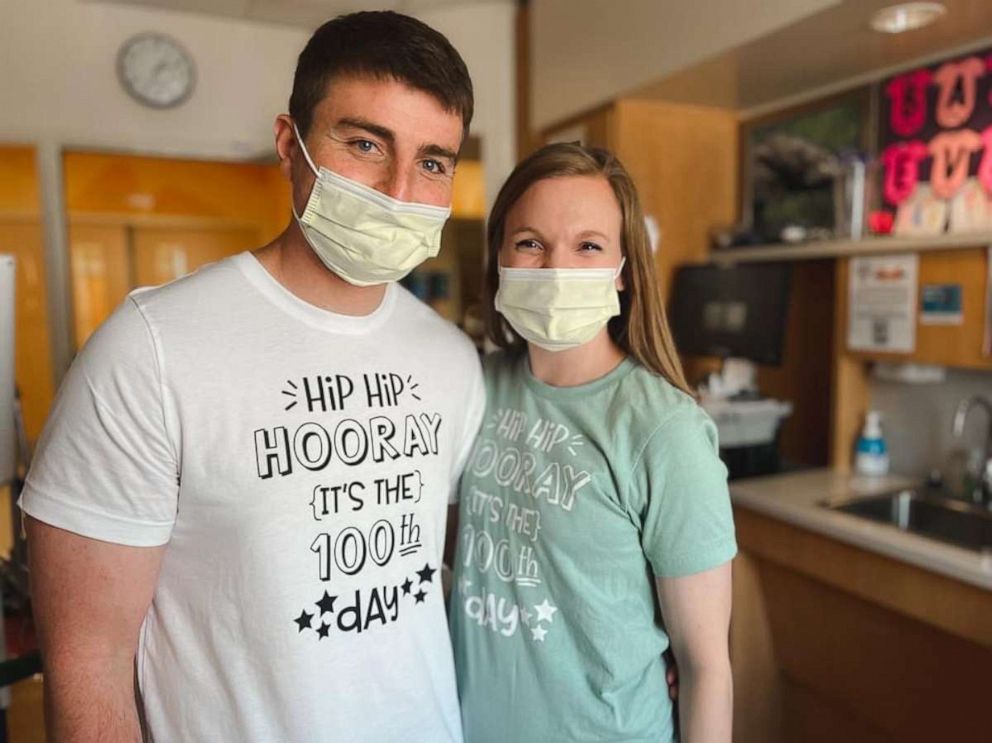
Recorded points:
(528,244)
(588,247)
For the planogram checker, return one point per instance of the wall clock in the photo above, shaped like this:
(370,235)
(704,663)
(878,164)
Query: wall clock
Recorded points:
(156,70)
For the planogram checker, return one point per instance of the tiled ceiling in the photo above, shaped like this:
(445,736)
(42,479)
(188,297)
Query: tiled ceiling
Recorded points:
(305,13)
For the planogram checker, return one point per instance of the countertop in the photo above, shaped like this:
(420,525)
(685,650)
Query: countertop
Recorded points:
(795,498)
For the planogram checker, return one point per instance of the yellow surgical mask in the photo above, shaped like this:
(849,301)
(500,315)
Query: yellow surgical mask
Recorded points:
(363,235)
(558,308)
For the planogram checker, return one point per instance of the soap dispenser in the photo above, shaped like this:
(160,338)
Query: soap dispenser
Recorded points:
(872,455)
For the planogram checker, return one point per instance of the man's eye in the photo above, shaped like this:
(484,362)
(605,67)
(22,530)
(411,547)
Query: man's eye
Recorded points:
(364,146)
(433,166)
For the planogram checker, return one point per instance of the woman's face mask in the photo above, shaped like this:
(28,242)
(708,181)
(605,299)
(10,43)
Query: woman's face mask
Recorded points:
(363,235)
(558,308)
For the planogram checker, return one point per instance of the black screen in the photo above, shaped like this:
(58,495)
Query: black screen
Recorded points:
(738,311)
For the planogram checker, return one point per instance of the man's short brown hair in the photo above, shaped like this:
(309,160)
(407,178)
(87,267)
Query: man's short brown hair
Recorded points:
(382,45)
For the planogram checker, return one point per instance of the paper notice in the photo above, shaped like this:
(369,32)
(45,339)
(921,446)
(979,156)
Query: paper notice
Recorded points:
(942,304)
(882,303)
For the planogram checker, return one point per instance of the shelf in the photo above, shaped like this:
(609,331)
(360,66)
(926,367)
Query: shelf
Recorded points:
(845,248)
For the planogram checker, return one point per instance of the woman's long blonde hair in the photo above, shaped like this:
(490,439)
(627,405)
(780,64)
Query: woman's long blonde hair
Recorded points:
(641,329)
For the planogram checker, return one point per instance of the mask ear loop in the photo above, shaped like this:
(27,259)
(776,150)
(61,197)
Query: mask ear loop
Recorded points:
(306,154)
(620,267)
(313,167)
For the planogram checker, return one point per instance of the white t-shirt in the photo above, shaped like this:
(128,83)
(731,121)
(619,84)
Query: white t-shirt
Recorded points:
(298,465)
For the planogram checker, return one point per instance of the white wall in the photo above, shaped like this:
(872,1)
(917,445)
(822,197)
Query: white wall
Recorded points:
(586,52)
(484,35)
(59,81)
(917,419)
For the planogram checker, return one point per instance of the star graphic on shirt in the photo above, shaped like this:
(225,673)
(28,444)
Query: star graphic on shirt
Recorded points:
(420,596)
(406,586)
(464,583)
(524,614)
(545,611)
(323,630)
(303,621)
(427,574)
(538,633)
(326,604)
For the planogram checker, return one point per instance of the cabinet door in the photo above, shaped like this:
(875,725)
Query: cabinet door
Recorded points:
(594,129)
(162,254)
(100,266)
(22,238)
(109,260)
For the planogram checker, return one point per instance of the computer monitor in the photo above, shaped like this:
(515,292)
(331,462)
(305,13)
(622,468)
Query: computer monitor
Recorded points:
(737,311)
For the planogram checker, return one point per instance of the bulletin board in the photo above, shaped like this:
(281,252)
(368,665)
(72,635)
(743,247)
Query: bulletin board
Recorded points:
(935,146)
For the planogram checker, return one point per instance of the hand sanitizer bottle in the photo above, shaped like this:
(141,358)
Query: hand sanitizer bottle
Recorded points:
(872,455)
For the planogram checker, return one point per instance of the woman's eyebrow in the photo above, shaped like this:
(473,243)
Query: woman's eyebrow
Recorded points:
(594,233)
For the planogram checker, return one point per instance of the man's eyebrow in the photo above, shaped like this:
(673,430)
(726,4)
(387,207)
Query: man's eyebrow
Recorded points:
(387,135)
(436,150)
(375,129)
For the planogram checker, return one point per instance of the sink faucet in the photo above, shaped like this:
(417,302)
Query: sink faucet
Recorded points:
(983,491)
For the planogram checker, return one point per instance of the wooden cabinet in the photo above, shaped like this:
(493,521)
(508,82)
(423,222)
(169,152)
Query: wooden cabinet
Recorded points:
(833,643)
(21,236)
(683,160)
(99,263)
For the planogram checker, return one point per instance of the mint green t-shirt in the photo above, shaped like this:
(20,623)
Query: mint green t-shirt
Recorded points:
(573,500)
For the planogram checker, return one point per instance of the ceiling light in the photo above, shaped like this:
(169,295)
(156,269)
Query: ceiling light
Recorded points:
(895,19)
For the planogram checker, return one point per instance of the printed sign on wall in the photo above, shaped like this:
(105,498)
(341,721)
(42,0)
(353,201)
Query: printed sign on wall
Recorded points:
(942,304)
(882,303)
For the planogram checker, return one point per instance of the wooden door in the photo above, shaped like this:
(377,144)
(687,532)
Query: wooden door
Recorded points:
(21,236)
(162,254)
(101,274)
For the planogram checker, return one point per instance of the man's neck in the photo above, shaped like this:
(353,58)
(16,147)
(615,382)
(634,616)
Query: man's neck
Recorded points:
(291,261)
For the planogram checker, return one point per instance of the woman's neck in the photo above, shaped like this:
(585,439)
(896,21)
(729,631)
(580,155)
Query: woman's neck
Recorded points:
(576,366)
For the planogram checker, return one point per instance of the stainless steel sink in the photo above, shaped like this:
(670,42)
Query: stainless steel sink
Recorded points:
(924,513)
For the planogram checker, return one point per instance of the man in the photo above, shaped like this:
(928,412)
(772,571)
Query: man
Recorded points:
(237,509)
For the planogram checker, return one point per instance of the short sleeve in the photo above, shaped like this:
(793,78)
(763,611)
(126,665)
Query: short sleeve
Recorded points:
(679,497)
(105,467)
(475,411)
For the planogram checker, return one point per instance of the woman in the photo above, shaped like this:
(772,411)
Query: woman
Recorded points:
(594,494)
